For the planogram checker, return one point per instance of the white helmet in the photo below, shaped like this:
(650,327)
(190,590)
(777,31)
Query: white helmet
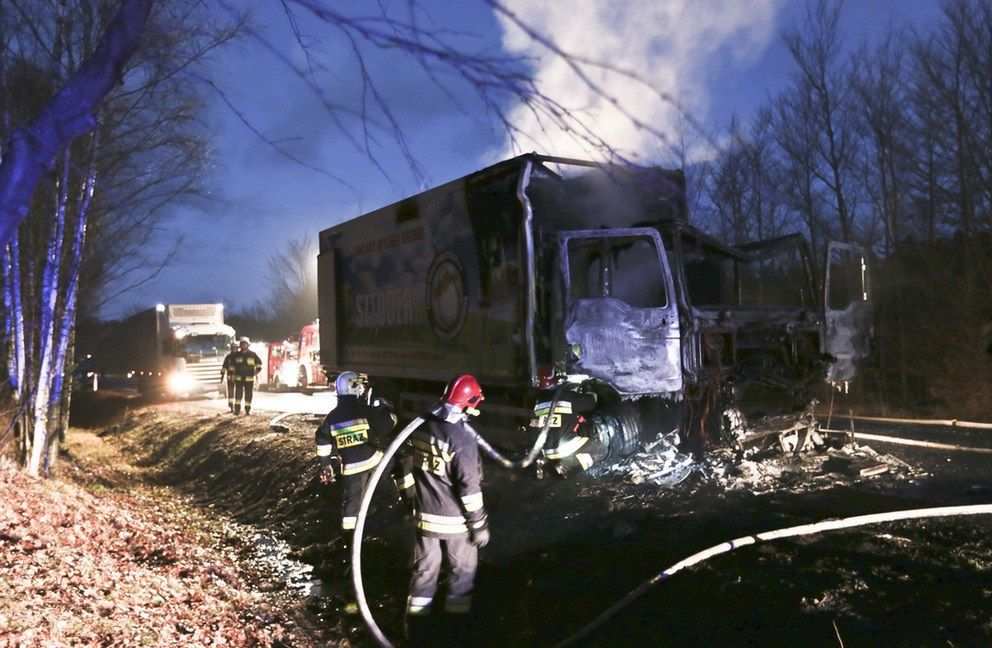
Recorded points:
(349,383)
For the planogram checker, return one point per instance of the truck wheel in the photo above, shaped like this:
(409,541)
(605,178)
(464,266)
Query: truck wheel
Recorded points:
(619,429)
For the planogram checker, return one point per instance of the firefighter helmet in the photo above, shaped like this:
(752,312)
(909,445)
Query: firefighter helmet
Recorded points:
(349,383)
(547,377)
(463,392)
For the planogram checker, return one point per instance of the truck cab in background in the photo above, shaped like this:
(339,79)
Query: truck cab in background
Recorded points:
(294,363)
(171,349)
(282,365)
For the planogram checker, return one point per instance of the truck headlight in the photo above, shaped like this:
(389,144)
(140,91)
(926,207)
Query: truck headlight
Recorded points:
(180,382)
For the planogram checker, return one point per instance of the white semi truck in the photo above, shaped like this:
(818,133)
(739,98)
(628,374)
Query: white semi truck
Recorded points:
(171,349)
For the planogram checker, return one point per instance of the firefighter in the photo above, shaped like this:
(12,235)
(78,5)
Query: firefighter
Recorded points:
(227,371)
(567,448)
(344,447)
(450,516)
(246,366)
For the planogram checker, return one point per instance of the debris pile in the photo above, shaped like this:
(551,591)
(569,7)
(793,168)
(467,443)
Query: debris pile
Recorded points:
(766,472)
(660,463)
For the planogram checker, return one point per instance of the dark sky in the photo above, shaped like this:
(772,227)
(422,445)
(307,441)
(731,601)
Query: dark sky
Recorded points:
(720,57)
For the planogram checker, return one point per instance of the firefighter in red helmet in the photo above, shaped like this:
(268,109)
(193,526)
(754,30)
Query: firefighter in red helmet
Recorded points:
(569,447)
(450,515)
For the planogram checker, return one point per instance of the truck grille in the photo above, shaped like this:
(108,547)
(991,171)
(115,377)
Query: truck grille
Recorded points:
(205,372)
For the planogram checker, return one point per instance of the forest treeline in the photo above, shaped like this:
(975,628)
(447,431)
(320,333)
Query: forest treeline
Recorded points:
(886,145)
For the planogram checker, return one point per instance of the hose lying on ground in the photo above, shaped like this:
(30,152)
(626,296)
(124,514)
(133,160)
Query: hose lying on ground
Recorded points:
(943,422)
(715,550)
(801,530)
(356,545)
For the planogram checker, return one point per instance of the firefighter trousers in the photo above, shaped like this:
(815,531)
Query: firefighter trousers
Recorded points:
(351,497)
(230,394)
(354,487)
(243,387)
(428,555)
(590,452)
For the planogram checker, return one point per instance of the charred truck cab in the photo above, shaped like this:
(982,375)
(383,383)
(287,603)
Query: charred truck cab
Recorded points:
(595,270)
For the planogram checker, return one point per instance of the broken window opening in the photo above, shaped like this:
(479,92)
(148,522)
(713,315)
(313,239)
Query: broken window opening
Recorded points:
(848,283)
(717,278)
(626,268)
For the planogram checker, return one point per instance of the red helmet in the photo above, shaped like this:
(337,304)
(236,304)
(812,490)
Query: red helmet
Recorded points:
(546,377)
(463,392)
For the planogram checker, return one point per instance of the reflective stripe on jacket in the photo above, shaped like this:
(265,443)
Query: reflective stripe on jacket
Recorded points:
(246,365)
(345,433)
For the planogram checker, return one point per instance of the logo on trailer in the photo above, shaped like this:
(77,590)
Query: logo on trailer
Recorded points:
(447,295)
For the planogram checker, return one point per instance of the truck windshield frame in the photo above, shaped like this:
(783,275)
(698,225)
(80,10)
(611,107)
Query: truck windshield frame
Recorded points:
(634,272)
(205,345)
(765,275)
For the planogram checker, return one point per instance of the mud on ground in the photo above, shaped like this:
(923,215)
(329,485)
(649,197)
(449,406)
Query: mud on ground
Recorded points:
(562,552)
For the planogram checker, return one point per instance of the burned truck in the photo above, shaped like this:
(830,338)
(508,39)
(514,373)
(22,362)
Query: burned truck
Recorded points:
(596,271)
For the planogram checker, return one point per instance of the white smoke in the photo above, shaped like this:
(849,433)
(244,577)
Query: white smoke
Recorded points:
(671,44)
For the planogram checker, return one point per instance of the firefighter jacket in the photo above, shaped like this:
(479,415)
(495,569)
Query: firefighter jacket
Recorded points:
(246,365)
(344,435)
(447,475)
(565,431)
(227,369)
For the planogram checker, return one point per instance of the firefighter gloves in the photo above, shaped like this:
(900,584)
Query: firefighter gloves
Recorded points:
(479,537)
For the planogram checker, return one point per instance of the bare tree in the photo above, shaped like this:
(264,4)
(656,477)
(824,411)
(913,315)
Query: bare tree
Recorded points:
(141,155)
(816,49)
(292,281)
(72,112)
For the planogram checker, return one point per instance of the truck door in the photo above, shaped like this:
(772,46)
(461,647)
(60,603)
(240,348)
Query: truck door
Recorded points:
(847,310)
(621,323)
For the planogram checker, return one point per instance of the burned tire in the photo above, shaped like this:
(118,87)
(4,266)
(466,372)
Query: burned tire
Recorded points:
(618,428)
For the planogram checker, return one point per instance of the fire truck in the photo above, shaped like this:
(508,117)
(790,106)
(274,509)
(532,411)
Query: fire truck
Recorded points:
(309,372)
(282,365)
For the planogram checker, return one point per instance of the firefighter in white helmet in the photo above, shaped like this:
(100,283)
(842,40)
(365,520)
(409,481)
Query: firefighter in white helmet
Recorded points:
(345,446)
(247,365)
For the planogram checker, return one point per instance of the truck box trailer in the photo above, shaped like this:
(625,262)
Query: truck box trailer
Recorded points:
(174,349)
(594,270)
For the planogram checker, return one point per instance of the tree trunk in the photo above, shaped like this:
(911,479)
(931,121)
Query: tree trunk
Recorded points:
(70,113)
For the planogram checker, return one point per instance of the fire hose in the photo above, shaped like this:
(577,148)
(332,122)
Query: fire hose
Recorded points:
(538,443)
(640,590)
(356,545)
(788,532)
